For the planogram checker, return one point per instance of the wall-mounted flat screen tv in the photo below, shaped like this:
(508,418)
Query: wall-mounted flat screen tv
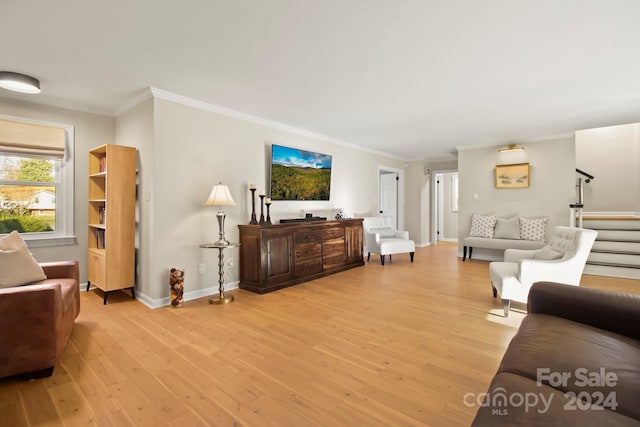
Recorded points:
(299,175)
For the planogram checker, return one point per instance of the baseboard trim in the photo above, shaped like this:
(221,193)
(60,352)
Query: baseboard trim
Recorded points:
(188,296)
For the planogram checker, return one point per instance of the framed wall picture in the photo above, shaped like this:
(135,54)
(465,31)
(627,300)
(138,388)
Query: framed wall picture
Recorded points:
(512,176)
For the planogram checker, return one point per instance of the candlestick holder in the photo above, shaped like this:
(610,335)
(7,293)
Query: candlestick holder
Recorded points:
(261,209)
(268,221)
(253,221)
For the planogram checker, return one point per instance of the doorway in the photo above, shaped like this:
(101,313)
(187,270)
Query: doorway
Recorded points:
(390,195)
(445,207)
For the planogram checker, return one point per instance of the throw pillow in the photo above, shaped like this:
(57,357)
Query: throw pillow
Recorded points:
(533,228)
(482,225)
(548,253)
(507,228)
(12,240)
(18,267)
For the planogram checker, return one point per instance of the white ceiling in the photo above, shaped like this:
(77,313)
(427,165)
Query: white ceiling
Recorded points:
(412,78)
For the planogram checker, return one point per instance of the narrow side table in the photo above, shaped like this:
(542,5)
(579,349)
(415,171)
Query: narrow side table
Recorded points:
(221,298)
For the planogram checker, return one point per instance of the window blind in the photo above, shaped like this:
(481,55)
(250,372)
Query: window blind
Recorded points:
(29,139)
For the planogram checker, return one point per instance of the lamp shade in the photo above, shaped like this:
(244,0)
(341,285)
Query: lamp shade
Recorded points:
(19,82)
(220,196)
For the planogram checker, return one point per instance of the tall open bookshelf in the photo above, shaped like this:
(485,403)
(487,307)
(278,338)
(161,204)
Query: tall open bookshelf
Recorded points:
(112,202)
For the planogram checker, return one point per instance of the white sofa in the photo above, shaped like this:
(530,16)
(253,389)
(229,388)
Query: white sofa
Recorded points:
(492,232)
(383,239)
(497,243)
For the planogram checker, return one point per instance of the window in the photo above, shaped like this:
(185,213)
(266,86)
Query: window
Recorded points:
(36,181)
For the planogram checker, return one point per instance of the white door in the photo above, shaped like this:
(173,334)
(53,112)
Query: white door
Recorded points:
(388,199)
(443,209)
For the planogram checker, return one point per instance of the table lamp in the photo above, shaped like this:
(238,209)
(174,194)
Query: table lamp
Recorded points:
(220,196)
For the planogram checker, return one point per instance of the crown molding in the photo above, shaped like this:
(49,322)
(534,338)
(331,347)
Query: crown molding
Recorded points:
(531,140)
(205,106)
(153,92)
(58,103)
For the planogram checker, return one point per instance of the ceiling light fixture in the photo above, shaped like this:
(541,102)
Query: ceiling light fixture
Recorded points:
(510,147)
(19,82)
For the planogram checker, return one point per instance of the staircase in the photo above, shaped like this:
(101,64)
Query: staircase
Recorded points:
(616,251)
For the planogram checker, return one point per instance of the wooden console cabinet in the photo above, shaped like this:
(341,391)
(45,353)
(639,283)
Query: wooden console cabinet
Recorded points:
(281,255)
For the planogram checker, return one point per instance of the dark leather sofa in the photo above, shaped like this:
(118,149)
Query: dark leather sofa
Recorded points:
(575,361)
(37,321)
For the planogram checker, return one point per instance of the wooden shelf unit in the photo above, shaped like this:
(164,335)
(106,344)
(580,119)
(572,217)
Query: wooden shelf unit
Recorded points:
(112,201)
(276,256)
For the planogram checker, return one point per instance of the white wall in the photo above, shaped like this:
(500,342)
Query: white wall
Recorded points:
(194,149)
(416,203)
(134,128)
(552,185)
(182,152)
(612,155)
(91,130)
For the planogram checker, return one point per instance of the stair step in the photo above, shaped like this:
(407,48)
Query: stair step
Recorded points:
(605,264)
(614,259)
(618,235)
(632,248)
(604,270)
(622,224)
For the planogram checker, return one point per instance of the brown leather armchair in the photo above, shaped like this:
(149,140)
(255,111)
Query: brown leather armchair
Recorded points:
(37,320)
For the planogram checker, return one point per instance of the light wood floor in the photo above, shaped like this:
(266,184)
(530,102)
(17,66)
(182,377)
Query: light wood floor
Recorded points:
(394,345)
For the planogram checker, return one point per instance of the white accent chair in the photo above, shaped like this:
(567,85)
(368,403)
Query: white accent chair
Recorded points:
(383,239)
(561,261)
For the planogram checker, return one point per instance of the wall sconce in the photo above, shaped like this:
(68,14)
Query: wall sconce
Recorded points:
(510,147)
(19,82)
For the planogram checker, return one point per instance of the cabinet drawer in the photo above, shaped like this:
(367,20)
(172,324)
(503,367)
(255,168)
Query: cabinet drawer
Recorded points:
(334,261)
(333,247)
(308,267)
(333,233)
(308,250)
(305,236)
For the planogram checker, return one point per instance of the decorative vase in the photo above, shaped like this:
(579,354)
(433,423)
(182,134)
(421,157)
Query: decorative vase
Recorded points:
(176,283)
(341,215)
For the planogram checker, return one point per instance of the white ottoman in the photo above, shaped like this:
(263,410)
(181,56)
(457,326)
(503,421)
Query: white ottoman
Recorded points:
(394,245)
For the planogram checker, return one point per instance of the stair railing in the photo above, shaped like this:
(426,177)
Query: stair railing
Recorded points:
(588,176)
(575,209)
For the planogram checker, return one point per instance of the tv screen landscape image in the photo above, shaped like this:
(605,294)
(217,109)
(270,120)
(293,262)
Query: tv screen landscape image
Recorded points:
(299,175)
